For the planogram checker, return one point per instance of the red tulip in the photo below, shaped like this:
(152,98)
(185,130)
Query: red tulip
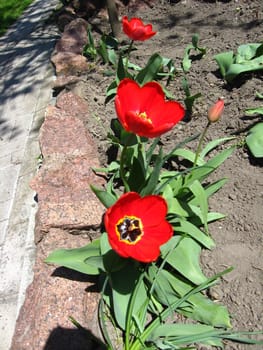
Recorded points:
(137,227)
(135,29)
(144,110)
(216,111)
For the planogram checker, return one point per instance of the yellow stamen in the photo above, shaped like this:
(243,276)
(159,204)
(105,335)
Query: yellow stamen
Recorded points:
(144,116)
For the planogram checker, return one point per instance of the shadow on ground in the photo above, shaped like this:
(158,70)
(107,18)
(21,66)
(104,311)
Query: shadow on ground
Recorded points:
(73,339)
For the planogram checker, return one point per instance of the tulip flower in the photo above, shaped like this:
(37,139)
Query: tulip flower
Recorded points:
(135,29)
(144,110)
(216,111)
(137,227)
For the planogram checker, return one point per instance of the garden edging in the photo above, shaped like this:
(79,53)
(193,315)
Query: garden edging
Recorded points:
(67,211)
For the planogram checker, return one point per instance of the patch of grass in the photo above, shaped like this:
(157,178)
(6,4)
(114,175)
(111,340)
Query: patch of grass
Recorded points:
(10,10)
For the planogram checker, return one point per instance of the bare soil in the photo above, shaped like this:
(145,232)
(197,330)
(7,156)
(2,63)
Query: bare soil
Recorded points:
(222,26)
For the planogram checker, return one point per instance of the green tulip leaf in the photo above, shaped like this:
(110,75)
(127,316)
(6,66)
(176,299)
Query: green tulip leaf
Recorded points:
(193,231)
(178,335)
(179,330)
(188,155)
(175,207)
(224,61)
(121,72)
(122,292)
(169,288)
(111,91)
(210,190)
(236,69)
(185,259)
(201,200)
(213,144)
(75,259)
(150,71)
(201,172)
(254,140)
(259,95)
(110,260)
(153,179)
(187,62)
(106,198)
(254,111)
(247,52)
(249,58)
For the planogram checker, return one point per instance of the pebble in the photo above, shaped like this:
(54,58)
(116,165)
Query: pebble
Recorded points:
(215,293)
(232,196)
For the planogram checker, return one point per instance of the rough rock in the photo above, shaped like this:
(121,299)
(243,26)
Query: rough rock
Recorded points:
(68,63)
(73,104)
(65,81)
(67,57)
(63,133)
(62,184)
(54,295)
(74,37)
(64,16)
(64,195)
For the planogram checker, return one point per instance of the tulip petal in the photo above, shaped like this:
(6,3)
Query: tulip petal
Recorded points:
(151,95)
(127,95)
(148,252)
(165,115)
(154,208)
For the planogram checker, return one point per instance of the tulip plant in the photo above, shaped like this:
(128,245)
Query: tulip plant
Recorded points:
(155,226)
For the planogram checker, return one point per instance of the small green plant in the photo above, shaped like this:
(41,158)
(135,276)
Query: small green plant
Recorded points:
(186,65)
(254,139)
(89,50)
(194,46)
(105,50)
(249,58)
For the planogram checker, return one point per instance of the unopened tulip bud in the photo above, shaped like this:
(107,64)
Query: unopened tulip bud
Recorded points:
(215,112)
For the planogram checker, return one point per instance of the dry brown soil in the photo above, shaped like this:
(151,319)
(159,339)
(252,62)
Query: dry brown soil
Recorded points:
(222,26)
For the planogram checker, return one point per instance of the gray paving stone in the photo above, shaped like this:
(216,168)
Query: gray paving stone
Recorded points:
(7,326)
(8,180)
(3,227)
(12,254)
(4,210)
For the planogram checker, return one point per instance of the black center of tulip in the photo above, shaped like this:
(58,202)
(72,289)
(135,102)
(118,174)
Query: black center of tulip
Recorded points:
(129,229)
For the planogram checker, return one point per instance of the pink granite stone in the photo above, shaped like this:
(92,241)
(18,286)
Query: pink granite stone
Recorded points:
(65,81)
(68,63)
(68,58)
(73,104)
(64,195)
(74,37)
(54,295)
(64,134)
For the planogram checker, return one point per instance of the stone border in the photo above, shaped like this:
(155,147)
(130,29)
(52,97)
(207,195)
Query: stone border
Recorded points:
(67,212)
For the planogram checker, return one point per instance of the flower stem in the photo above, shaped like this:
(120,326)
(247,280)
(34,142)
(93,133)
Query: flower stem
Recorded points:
(122,171)
(197,153)
(128,55)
